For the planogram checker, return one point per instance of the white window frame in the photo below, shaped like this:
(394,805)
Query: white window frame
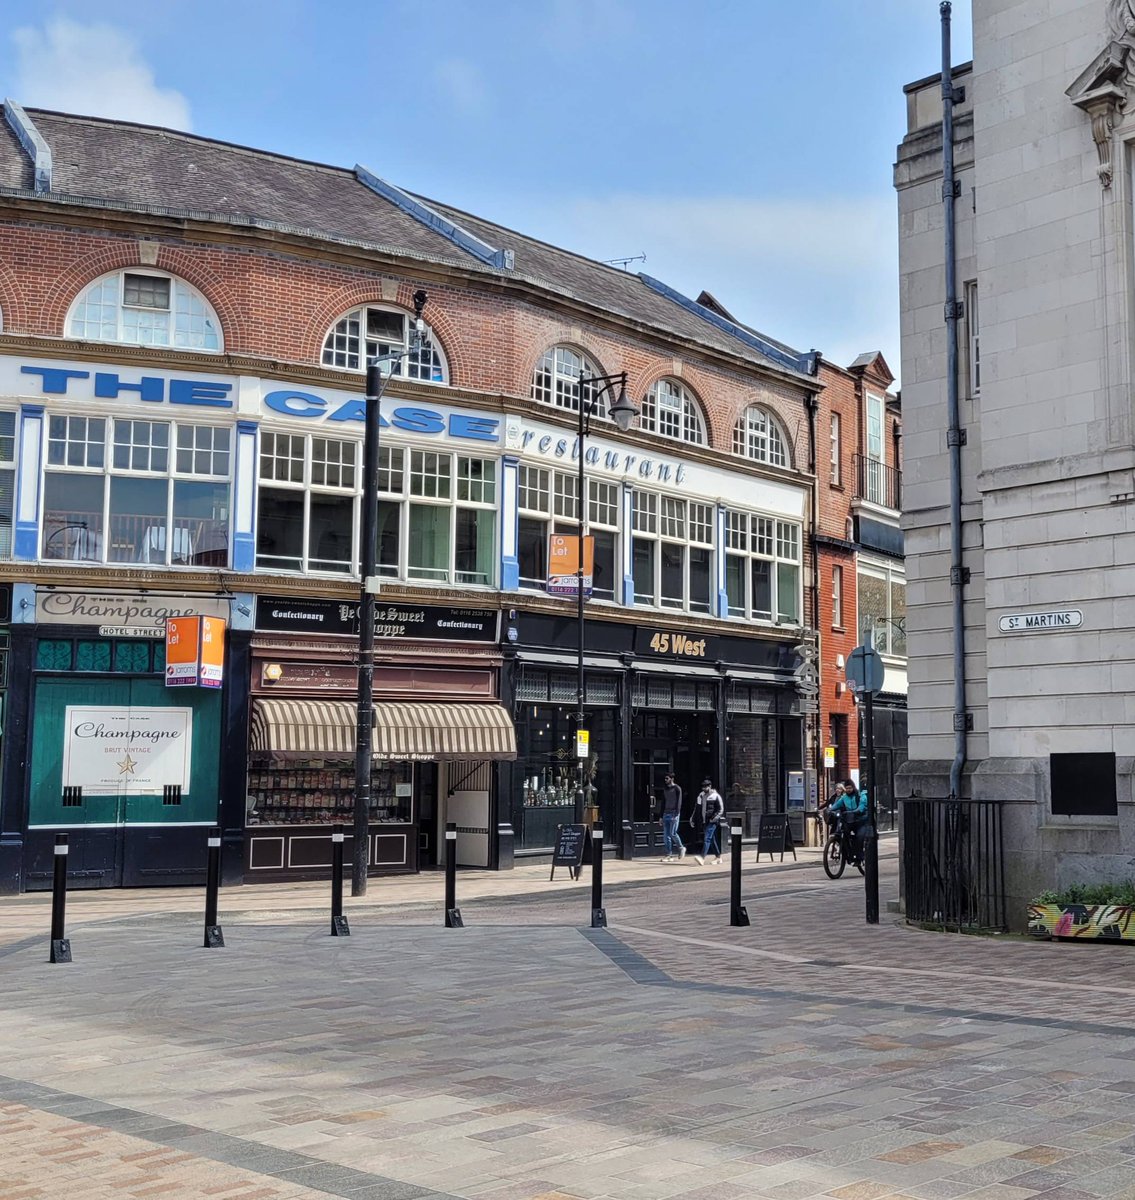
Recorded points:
(664,523)
(353,351)
(837,596)
(555,381)
(179,291)
(166,545)
(684,422)
(875,437)
(759,436)
(883,639)
(753,536)
(836,450)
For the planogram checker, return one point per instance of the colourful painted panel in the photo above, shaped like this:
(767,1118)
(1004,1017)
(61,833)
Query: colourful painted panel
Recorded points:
(1098,922)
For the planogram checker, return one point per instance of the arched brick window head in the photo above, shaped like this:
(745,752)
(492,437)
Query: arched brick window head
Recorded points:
(373,331)
(758,436)
(670,410)
(145,308)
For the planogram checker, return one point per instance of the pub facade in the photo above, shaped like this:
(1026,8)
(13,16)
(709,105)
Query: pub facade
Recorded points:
(181,421)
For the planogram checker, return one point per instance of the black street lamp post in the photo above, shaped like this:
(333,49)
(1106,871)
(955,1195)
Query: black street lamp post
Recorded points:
(592,389)
(368,565)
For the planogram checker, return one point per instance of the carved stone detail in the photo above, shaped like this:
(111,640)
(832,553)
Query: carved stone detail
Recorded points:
(1101,90)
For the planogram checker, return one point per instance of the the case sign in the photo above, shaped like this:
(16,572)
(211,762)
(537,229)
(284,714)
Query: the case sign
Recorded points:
(127,751)
(195,651)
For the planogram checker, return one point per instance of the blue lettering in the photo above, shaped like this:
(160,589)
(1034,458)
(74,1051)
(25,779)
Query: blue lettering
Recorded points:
(355,410)
(545,444)
(629,461)
(611,460)
(646,468)
(54,382)
(478,429)
(663,473)
(417,420)
(561,447)
(107,387)
(592,455)
(528,436)
(680,476)
(295,404)
(200,393)
(575,450)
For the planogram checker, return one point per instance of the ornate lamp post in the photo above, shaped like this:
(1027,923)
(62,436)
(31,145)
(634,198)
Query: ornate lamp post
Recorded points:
(369,583)
(592,389)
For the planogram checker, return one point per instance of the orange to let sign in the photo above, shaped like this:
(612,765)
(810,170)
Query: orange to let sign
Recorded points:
(212,651)
(183,651)
(563,565)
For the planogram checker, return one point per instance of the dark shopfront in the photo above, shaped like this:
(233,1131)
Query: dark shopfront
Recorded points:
(438,730)
(721,706)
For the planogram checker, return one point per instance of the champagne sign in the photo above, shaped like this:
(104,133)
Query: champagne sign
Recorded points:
(127,751)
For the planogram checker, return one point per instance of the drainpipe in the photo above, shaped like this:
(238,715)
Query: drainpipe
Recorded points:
(955,434)
(812,407)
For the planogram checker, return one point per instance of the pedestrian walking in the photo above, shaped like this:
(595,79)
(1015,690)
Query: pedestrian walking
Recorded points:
(709,808)
(671,815)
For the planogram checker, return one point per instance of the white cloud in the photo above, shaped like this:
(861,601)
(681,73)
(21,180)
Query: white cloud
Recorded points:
(820,273)
(464,84)
(95,70)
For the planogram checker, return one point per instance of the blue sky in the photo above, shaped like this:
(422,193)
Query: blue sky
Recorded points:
(743,146)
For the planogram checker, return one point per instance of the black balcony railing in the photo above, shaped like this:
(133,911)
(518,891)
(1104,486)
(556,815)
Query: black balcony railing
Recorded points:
(877,482)
(953,866)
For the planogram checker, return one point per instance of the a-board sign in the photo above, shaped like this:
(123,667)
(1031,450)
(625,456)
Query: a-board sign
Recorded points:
(774,836)
(572,849)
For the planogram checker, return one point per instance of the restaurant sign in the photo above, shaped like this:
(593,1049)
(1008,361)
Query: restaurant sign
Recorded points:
(674,644)
(414,622)
(127,751)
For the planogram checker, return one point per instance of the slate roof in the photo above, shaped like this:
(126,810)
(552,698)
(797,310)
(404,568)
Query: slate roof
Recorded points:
(140,165)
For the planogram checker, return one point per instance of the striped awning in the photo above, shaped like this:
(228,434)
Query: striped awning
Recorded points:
(403,732)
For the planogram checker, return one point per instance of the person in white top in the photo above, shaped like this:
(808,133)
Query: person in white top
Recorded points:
(710,806)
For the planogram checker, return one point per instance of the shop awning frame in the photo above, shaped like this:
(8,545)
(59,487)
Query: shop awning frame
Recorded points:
(403,732)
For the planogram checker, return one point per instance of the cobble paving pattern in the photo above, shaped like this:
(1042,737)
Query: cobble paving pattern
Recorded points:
(523,1057)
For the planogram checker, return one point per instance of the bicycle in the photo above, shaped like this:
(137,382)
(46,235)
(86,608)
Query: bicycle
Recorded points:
(839,850)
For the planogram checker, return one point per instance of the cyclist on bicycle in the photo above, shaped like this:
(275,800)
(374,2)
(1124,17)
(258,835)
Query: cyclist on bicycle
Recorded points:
(850,804)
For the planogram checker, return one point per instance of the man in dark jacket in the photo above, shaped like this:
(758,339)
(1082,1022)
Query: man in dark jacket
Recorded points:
(671,815)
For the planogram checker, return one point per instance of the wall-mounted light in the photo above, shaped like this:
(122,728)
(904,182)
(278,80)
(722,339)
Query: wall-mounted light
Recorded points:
(839,662)
(273,672)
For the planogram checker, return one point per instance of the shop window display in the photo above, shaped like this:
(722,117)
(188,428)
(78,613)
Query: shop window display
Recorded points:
(320,791)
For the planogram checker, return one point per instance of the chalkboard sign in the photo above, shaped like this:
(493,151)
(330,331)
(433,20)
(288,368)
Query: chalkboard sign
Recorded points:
(572,850)
(774,835)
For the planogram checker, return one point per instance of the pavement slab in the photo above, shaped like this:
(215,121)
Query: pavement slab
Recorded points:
(525,1057)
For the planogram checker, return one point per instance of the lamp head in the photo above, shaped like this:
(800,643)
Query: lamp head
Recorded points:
(623,411)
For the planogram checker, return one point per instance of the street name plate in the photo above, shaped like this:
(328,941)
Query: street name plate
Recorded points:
(1068,618)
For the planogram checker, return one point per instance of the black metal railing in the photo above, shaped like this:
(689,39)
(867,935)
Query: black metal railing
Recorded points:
(877,482)
(953,864)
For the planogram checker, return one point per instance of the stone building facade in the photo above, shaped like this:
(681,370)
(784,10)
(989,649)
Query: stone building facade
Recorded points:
(1043,142)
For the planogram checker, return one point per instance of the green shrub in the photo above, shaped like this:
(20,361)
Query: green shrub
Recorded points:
(1091,893)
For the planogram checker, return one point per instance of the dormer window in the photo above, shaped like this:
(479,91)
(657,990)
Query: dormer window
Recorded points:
(670,410)
(757,435)
(145,308)
(373,332)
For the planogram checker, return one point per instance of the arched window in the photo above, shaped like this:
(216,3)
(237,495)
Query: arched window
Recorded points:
(556,380)
(145,308)
(670,410)
(372,332)
(758,436)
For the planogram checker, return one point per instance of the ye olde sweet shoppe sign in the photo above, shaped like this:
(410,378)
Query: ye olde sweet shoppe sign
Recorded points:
(127,751)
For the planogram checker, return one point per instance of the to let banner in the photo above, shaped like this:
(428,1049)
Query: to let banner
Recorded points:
(563,565)
(195,651)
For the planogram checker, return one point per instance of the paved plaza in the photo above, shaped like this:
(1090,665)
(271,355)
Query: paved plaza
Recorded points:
(526,1057)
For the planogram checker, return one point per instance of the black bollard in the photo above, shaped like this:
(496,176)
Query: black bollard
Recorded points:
(213,935)
(598,913)
(452,912)
(339,926)
(737,913)
(60,943)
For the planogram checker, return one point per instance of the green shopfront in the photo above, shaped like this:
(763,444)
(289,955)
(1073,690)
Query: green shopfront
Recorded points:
(127,767)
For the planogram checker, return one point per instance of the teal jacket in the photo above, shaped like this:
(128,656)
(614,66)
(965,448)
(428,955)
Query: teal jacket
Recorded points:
(855,805)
